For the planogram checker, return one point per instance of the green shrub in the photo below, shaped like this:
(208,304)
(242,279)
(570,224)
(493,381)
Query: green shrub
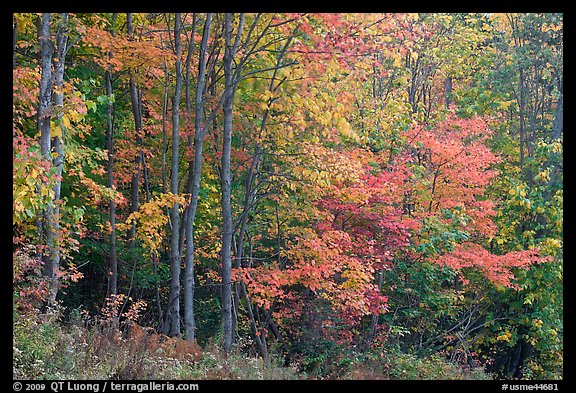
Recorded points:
(34,342)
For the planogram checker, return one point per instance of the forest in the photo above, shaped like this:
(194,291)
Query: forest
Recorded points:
(258,196)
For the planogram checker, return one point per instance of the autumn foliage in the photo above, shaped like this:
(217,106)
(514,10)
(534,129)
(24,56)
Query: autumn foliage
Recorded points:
(320,186)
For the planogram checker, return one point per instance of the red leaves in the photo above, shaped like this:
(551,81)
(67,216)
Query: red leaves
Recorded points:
(455,166)
(497,268)
(326,265)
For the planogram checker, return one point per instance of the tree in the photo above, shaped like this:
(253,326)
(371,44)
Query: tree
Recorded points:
(172,321)
(51,141)
(135,99)
(113,264)
(195,172)
(230,49)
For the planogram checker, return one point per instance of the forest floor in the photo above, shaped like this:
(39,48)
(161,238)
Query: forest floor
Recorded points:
(46,348)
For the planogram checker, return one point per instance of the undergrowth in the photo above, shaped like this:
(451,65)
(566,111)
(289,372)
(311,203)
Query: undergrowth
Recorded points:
(45,347)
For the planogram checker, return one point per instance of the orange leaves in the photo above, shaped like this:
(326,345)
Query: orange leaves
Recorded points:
(452,167)
(25,83)
(114,306)
(264,284)
(324,264)
(497,268)
(126,54)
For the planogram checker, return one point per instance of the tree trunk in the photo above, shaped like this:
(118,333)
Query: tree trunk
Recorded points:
(164,128)
(14,40)
(172,323)
(552,162)
(225,181)
(137,113)
(558,126)
(196,170)
(43,125)
(447,91)
(257,334)
(50,106)
(374,317)
(239,249)
(112,262)
(522,119)
(58,140)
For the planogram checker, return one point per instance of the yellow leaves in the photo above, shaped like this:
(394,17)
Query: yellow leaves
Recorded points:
(551,245)
(152,218)
(556,243)
(505,104)
(551,27)
(25,22)
(543,176)
(519,193)
(33,173)
(528,234)
(119,226)
(506,336)
(316,176)
(343,125)
(266,95)
(398,60)
(345,129)
(526,203)
(307,173)
(55,130)
(66,121)
(32,188)
(538,323)
(266,98)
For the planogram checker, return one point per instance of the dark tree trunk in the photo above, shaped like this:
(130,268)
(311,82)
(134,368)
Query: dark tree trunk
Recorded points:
(137,113)
(112,262)
(14,40)
(447,91)
(172,322)
(196,170)
(249,200)
(374,318)
(50,107)
(522,119)
(558,126)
